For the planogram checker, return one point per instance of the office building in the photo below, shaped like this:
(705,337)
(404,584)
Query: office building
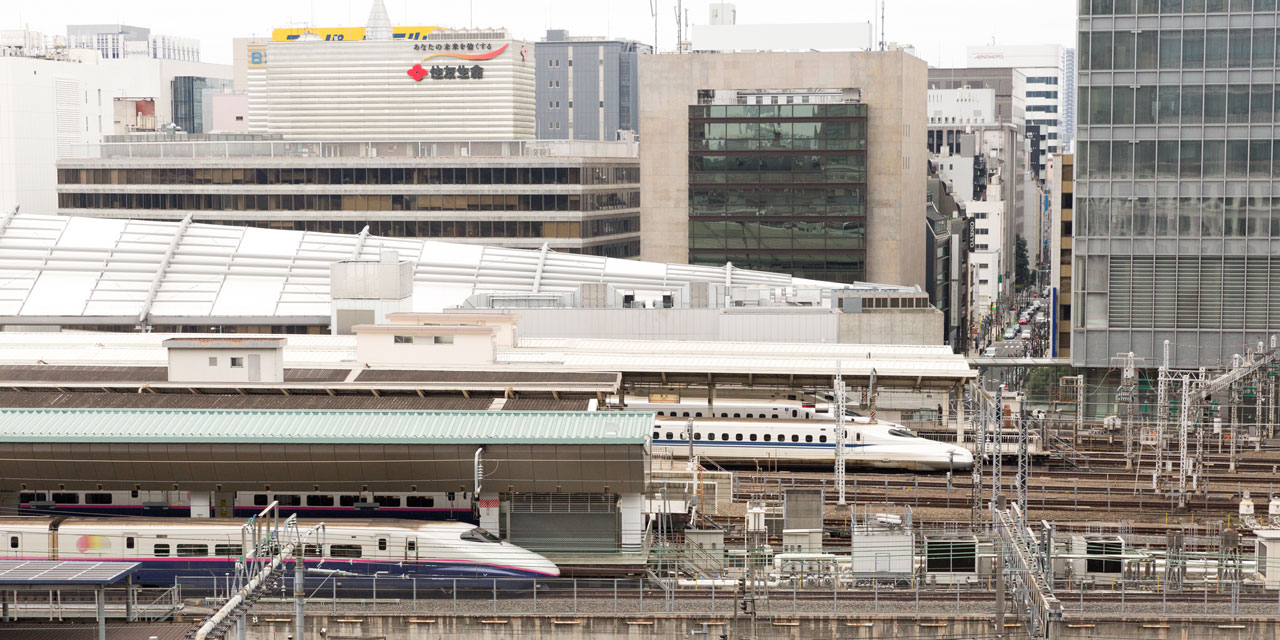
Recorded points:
(1068,100)
(116,41)
(587,87)
(571,196)
(947,244)
(454,84)
(1176,175)
(811,164)
(193,102)
(1061,239)
(55,101)
(1046,92)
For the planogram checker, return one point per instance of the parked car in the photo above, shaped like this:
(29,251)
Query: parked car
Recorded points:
(989,352)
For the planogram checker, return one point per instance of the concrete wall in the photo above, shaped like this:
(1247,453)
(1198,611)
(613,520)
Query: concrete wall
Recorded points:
(921,326)
(193,365)
(467,348)
(230,113)
(893,85)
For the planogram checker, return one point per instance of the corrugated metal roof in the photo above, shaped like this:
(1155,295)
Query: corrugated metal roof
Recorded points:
(64,572)
(312,427)
(315,402)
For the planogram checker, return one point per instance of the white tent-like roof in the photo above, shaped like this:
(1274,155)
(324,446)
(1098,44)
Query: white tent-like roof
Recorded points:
(77,270)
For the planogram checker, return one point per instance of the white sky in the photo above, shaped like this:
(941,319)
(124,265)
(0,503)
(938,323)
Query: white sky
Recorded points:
(939,29)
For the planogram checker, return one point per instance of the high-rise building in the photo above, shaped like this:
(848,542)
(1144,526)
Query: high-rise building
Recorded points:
(1044,92)
(1177,170)
(1068,100)
(587,87)
(192,104)
(1061,239)
(812,164)
(115,41)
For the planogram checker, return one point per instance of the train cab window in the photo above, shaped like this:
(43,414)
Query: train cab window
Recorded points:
(66,498)
(344,551)
(902,433)
(289,499)
(753,437)
(226,550)
(193,550)
(421,501)
(387,501)
(822,438)
(97,498)
(260,500)
(808,438)
(382,544)
(767,437)
(320,501)
(479,535)
(670,436)
(738,437)
(13,542)
(160,550)
(128,542)
(348,500)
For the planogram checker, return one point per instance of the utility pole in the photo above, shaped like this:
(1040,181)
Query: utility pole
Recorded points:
(1024,466)
(1184,425)
(1162,416)
(979,452)
(1126,397)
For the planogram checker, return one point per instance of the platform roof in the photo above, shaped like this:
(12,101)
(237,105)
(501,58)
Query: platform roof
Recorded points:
(65,269)
(322,427)
(63,573)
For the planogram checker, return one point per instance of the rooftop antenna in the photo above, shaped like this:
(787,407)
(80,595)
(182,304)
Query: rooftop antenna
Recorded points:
(653,10)
(882,47)
(679,24)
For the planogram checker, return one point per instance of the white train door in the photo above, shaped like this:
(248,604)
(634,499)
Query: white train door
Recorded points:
(411,549)
(13,545)
(199,501)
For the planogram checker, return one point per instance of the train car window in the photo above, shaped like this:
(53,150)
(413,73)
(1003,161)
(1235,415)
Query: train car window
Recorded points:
(753,437)
(161,550)
(795,438)
(858,437)
(775,416)
(737,415)
(320,501)
(387,501)
(348,501)
(128,542)
(410,545)
(902,433)
(822,438)
(738,437)
(382,544)
(697,436)
(794,413)
(226,550)
(657,436)
(289,499)
(13,542)
(260,500)
(479,535)
(768,437)
(311,551)
(344,551)
(193,550)
(670,436)
(66,498)
(421,501)
(27,496)
(750,415)
(711,436)
(698,414)
(808,438)
(724,436)
(97,498)
(133,494)
(449,496)
(686,414)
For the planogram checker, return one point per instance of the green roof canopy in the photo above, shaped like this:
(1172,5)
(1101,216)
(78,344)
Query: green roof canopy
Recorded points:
(317,427)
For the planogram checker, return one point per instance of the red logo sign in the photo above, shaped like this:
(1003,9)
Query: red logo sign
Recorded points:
(417,73)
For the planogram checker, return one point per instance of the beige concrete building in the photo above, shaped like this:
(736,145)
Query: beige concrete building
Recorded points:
(886,166)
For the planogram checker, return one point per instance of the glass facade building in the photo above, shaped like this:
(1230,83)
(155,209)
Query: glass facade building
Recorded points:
(1177,234)
(780,187)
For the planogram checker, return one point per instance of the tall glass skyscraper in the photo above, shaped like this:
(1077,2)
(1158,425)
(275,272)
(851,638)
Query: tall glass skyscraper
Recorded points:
(1177,218)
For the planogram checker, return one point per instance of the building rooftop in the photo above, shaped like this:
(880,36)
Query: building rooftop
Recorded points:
(323,427)
(66,270)
(64,572)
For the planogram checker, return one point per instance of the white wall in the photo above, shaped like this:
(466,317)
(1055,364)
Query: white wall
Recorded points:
(192,365)
(381,348)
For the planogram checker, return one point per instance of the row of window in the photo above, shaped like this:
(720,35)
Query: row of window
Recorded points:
(833,110)
(781,201)
(844,167)
(423,340)
(1129,7)
(1170,159)
(750,437)
(1187,217)
(836,266)
(327,202)
(1173,104)
(1178,49)
(590,175)
(778,234)
(778,144)
(346,500)
(776,130)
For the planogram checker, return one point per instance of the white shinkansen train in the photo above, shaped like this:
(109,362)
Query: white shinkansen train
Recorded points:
(791,432)
(168,547)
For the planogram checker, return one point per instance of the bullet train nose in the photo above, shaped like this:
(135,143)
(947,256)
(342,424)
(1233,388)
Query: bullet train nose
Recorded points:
(963,458)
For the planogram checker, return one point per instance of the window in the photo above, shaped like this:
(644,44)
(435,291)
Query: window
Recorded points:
(160,550)
(237,363)
(320,501)
(767,437)
(128,542)
(753,437)
(289,500)
(724,436)
(213,361)
(412,545)
(657,435)
(260,500)
(711,436)
(479,535)
(697,436)
(66,498)
(193,550)
(902,433)
(808,438)
(311,551)
(822,438)
(348,500)
(420,501)
(387,501)
(225,550)
(97,498)
(670,436)
(344,551)
(382,544)
(13,542)
(442,339)
(403,340)
(737,437)
(795,438)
